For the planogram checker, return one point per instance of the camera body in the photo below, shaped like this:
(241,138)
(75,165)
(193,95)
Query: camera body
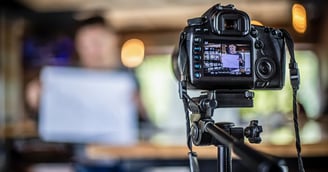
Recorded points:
(224,51)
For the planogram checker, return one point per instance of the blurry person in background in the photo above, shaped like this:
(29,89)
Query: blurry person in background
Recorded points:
(97,47)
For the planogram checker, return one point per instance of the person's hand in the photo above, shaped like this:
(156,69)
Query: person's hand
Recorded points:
(32,94)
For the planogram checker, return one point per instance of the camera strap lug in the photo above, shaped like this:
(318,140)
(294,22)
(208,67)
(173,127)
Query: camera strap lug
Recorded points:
(294,75)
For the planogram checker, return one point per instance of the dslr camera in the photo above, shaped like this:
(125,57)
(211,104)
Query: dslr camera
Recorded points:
(221,50)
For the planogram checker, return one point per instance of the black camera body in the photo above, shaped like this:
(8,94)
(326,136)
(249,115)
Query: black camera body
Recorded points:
(224,51)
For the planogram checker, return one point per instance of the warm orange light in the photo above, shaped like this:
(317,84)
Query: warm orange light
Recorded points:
(133,52)
(299,18)
(255,22)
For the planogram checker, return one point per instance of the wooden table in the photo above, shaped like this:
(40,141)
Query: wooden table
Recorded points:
(157,151)
(21,129)
(146,150)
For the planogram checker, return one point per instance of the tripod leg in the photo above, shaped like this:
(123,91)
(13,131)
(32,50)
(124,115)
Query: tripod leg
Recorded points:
(224,159)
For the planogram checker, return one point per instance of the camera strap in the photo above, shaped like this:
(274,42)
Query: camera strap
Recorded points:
(193,162)
(295,81)
(182,65)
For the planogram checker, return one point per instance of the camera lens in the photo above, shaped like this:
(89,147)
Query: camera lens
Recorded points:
(265,68)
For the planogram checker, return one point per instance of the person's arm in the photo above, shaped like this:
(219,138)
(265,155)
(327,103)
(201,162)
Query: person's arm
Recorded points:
(32,96)
(241,60)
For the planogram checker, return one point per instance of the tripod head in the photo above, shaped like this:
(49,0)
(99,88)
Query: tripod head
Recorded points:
(204,131)
(202,108)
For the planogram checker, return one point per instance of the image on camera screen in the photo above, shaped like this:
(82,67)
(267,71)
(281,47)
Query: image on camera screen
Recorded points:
(226,59)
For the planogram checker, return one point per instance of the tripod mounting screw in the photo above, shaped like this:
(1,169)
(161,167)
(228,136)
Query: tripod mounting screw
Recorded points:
(252,132)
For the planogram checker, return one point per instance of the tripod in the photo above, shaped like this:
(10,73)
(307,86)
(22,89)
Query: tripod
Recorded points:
(204,131)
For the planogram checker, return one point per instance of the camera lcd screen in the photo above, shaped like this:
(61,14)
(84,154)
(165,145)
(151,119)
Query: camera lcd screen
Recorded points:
(226,59)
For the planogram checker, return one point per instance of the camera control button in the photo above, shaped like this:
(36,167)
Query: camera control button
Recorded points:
(197,75)
(254,33)
(197,49)
(205,30)
(197,29)
(197,57)
(261,84)
(197,66)
(259,44)
(280,34)
(266,29)
(197,40)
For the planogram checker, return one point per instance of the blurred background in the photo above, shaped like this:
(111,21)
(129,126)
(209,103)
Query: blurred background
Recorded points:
(39,33)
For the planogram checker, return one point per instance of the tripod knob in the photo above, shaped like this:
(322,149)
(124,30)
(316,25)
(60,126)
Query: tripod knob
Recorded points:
(252,132)
(198,136)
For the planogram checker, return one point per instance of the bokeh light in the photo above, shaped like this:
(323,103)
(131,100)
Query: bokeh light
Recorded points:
(133,52)
(299,18)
